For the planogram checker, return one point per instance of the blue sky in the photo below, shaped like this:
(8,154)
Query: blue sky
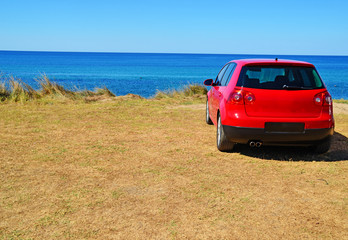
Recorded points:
(303,27)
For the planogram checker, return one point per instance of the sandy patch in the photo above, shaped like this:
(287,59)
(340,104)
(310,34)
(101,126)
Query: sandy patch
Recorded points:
(340,108)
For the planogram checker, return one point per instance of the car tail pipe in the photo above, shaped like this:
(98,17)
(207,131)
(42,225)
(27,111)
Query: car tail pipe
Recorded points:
(255,144)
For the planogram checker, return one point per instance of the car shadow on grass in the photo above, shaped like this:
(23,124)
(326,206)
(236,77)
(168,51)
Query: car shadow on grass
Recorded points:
(337,152)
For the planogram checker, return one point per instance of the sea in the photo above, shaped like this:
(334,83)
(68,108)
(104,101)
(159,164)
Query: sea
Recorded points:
(146,73)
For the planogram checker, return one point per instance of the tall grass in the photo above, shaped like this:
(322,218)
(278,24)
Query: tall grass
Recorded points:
(341,101)
(15,90)
(18,91)
(192,90)
(4,93)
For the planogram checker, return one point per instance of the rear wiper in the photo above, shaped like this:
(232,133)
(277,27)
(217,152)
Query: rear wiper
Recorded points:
(295,87)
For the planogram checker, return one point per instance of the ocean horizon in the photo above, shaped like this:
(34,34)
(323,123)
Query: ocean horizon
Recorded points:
(146,73)
(240,54)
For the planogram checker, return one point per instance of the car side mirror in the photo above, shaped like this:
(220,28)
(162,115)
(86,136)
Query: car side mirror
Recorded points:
(208,82)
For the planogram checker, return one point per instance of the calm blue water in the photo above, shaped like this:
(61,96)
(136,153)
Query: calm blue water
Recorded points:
(144,73)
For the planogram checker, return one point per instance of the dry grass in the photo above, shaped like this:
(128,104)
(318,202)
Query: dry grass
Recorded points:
(18,91)
(192,90)
(133,168)
(341,101)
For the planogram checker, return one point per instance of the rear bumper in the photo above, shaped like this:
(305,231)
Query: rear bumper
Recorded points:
(306,138)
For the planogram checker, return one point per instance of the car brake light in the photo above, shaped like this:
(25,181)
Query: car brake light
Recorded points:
(317,100)
(249,98)
(323,98)
(239,96)
(236,97)
(328,99)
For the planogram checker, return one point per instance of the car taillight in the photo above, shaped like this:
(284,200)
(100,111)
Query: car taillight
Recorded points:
(323,99)
(239,96)
(249,98)
(328,99)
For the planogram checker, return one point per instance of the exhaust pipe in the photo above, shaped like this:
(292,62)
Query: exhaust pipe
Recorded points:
(255,144)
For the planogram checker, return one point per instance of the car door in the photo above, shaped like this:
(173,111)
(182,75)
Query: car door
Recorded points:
(217,90)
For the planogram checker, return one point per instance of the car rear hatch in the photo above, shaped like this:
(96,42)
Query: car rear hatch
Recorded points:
(283,104)
(281,91)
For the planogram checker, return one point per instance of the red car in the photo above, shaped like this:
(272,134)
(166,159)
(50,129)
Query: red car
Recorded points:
(270,102)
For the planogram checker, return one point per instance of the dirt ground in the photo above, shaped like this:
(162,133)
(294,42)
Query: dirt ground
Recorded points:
(149,169)
(340,108)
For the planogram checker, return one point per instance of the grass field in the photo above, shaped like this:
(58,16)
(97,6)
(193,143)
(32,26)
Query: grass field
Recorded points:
(131,168)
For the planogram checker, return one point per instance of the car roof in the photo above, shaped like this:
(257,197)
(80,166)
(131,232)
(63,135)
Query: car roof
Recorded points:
(276,61)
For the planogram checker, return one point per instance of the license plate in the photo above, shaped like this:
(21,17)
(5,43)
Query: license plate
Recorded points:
(284,127)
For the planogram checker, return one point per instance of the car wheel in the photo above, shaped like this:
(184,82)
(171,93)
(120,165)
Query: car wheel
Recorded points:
(207,117)
(323,146)
(223,144)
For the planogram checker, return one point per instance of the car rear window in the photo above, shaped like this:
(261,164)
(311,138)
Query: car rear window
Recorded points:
(279,77)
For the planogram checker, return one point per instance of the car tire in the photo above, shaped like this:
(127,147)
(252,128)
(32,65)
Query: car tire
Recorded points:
(207,117)
(223,144)
(323,146)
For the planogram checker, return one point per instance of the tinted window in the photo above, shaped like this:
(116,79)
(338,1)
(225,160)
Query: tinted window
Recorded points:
(279,77)
(221,74)
(233,66)
(227,74)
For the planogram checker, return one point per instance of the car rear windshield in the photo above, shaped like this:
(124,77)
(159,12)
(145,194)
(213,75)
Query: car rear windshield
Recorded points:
(280,77)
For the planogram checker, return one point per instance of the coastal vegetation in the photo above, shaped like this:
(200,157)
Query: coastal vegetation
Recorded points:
(341,101)
(91,165)
(15,90)
(18,91)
